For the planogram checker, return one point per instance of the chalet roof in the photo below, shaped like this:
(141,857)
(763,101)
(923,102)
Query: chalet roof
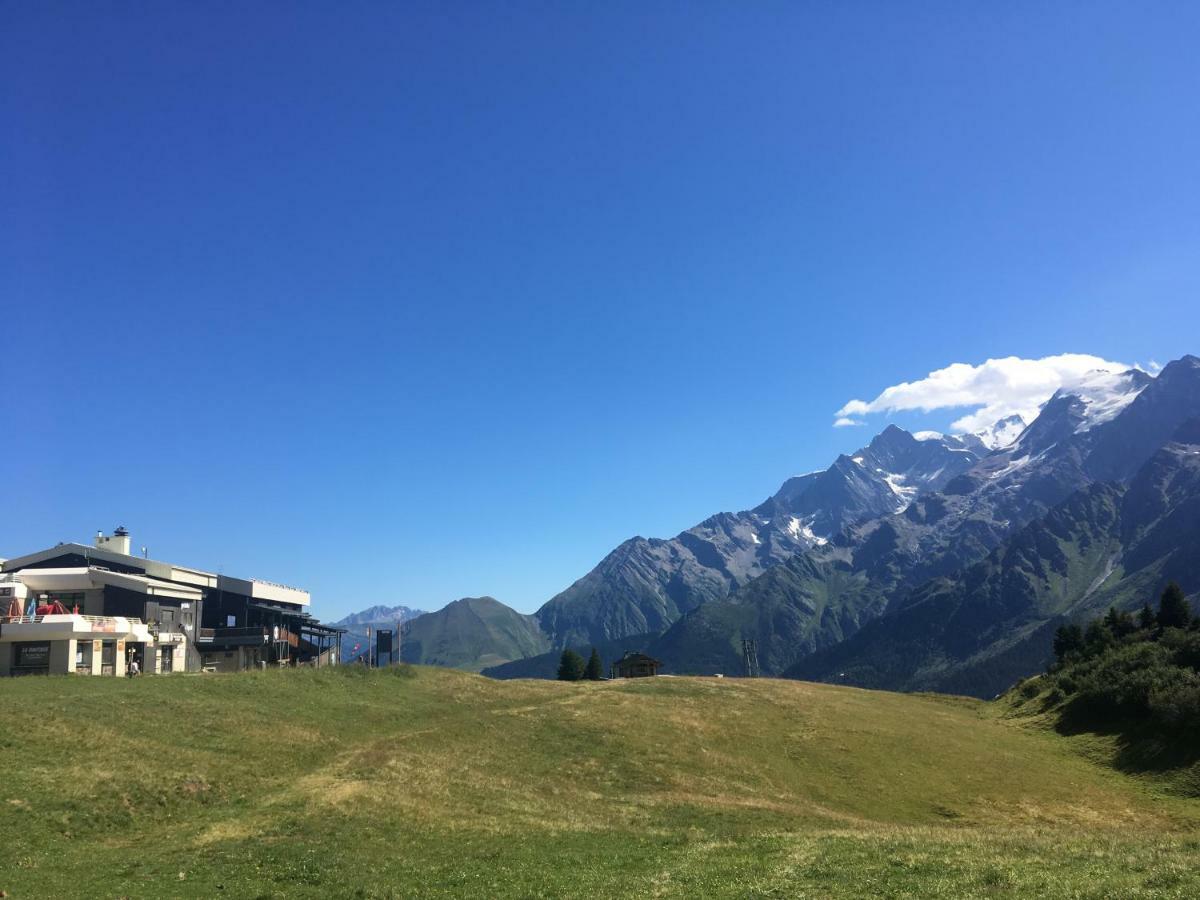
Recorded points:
(637,656)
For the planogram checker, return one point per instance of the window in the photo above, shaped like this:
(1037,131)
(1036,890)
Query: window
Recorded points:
(167,660)
(69,599)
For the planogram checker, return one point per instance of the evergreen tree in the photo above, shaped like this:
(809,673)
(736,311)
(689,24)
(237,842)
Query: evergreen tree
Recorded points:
(1119,624)
(1173,608)
(1098,638)
(1125,624)
(1068,642)
(595,668)
(570,666)
(1146,617)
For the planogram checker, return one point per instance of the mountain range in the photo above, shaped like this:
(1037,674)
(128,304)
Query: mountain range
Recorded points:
(921,561)
(354,640)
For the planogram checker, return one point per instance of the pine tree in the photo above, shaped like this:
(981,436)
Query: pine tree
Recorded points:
(1173,608)
(595,667)
(1119,624)
(1068,642)
(570,666)
(1097,638)
(1146,617)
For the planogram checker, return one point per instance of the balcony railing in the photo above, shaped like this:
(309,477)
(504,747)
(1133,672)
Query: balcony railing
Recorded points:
(94,620)
(251,635)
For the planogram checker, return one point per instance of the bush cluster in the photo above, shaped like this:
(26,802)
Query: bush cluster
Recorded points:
(1121,670)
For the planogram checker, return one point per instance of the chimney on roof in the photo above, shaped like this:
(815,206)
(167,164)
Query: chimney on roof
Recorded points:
(117,542)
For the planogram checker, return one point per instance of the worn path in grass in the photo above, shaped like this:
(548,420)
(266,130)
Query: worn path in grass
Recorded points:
(427,782)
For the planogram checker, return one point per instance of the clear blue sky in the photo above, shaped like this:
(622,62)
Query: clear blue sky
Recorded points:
(405,302)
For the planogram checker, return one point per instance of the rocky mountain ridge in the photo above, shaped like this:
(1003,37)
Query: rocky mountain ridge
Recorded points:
(832,552)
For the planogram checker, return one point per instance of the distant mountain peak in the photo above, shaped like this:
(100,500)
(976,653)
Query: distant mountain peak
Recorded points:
(892,437)
(1103,395)
(1002,433)
(379,614)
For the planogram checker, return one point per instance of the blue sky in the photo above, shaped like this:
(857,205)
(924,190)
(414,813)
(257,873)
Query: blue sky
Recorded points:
(407,302)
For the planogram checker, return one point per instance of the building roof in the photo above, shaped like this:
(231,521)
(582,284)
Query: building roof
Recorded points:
(168,572)
(637,656)
(84,577)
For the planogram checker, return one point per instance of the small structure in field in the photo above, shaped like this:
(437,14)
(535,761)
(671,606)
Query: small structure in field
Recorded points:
(636,665)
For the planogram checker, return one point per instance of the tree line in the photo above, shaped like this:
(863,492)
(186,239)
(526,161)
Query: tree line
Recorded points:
(1123,669)
(571,667)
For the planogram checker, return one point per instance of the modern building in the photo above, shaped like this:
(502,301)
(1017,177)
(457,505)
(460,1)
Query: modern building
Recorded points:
(97,609)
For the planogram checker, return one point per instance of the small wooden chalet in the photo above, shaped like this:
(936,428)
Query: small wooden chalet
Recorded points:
(636,665)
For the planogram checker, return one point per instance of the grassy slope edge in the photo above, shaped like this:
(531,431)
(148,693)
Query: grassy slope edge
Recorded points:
(418,781)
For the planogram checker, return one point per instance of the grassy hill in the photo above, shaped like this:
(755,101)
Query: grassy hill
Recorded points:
(431,782)
(472,633)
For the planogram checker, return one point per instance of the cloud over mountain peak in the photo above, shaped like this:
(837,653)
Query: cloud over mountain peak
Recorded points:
(993,390)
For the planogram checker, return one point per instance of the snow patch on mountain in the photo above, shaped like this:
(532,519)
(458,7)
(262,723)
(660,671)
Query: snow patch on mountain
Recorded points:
(1105,394)
(1003,433)
(904,493)
(802,528)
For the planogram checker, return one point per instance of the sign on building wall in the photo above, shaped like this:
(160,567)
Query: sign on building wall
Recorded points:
(32,655)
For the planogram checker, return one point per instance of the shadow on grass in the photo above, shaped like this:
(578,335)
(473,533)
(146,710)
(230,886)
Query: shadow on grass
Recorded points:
(1140,748)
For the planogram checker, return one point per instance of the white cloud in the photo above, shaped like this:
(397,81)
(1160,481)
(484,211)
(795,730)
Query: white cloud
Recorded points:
(993,389)
(844,421)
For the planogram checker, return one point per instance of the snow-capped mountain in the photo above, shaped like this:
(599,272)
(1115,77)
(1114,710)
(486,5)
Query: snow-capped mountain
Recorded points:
(646,584)
(1103,395)
(878,566)
(1002,433)
(832,550)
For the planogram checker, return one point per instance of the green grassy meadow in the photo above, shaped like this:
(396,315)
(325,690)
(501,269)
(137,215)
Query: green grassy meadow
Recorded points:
(415,782)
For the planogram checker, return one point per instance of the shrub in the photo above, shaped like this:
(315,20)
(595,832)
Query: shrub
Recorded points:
(1142,682)
(1175,704)
(1184,647)
(1029,688)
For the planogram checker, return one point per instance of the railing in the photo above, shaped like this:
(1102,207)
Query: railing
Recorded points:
(251,635)
(93,620)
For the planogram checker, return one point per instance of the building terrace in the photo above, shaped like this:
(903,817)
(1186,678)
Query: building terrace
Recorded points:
(101,610)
